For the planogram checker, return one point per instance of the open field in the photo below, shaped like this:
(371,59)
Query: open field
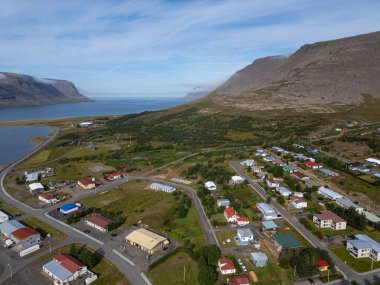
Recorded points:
(357,264)
(223,236)
(179,269)
(5,207)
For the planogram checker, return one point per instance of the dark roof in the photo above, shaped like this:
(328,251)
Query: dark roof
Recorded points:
(328,215)
(99,220)
(24,233)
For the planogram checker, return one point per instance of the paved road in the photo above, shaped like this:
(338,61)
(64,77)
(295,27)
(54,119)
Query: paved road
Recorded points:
(347,272)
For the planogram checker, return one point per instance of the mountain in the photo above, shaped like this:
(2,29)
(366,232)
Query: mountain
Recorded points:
(24,90)
(196,95)
(319,76)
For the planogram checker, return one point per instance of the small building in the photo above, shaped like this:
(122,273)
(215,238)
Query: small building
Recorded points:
(376,175)
(322,264)
(272,183)
(98,222)
(48,198)
(245,235)
(261,174)
(85,124)
(146,240)
(259,259)
(238,280)
(312,165)
(64,268)
(268,213)
(298,202)
(289,168)
(32,177)
(363,246)
(347,203)
(25,237)
(210,186)
(35,188)
(279,162)
(223,203)
(298,194)
(373,161)
(242,221)
(114,176)
(328,219)
(69,208)
(329,172)
(328,193)
(162,187)
(3,217)
(300,176)
(216,194)
(269,226)
(226,266)
(237,179)
(269,158)
(283,191)
(248,162)
(86,183)
(8,227)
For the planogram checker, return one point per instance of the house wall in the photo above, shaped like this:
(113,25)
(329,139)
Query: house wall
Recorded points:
(30,241)
(95,226)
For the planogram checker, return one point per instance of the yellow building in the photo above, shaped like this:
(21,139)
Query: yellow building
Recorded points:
(147,241)
(86,183)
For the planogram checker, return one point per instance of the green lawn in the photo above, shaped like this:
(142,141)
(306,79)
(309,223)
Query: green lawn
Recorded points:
(357,264)
(224,235)
(273,274)
(10,209)
(179,269)
(39,157)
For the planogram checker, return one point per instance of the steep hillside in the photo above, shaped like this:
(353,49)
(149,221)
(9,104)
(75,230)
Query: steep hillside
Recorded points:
(24,90)
(318,76)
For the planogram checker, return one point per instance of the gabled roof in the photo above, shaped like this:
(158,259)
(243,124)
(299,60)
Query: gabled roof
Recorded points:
(230,212)
(311,163)
(86,181)
(99,220)
(328,215)
(67,207)
(296,199)
(226,264)
(57,270)
(299,174)
(68,262)
(321,262)
(238,280)
(47,196)
(24,233)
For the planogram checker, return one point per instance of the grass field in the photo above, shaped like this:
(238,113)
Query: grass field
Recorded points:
(357,264)
(155,209)
(223,236)
(179,269)
(39,157)
(273,274)
(10,209)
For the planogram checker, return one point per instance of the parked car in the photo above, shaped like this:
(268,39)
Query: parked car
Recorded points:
(244,268)
(240,262)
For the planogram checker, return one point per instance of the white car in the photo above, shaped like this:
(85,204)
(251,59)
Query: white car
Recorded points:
(240,262)
(244,268)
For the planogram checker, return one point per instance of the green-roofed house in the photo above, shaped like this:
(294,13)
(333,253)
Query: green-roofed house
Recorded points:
(289,168)
(287,241)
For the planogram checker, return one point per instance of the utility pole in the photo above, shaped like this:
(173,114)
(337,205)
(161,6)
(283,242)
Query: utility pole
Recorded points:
(294,272)
(10,268)
(184,273)
(49,246)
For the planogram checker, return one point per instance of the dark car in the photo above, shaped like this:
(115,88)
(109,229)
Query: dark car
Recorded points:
(113,235)
(87,231)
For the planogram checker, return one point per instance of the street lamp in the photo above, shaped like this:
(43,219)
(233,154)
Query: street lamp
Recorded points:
(49,246)
(10,268)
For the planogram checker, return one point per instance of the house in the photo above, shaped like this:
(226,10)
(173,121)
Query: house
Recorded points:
(298,202)
(162,187)
(86,184)
(8,227)
(210,186)
(223,203)
(269,158)
(32,177)
(114,176)
(226,266)
(36,188)
(237,179)
(371,217)
(347,203)
(230,215)
(245,235)
(312,165)
(322,264)
(69,208)
(328,219)
(298,146)
(268,213)
(25,237)
(298,194)
(376,175)
(328,172)
(278,162)
(147,241)
(238,280)
(248,162)
(283,191)
(373,161)
(328,193)
(259,259)
(216,194)
(300,176)
(3,217)
(256,168)
(269,226)
(85,124)
(289,168)
(364,246)
(300,157)
(277,149)
(261,174)
(47,198)
(242,221)
(272,183)
(64,268)
(98,222)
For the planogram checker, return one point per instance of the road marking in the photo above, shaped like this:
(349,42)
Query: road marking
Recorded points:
(123,257)
(143,276)
(74,229)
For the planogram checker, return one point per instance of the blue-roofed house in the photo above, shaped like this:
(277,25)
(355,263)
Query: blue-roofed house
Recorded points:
(269,158)
(283,191)
(8,227)
(329,172)
(69,208)
(57,272)
(259,259)
(162,187)
(363,246)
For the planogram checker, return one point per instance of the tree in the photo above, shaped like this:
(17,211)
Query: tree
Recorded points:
(281,200)
(269,199)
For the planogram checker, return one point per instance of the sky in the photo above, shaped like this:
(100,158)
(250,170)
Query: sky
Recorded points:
(164,48)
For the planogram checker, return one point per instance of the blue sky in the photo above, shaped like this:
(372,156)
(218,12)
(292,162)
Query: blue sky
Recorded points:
(164,48)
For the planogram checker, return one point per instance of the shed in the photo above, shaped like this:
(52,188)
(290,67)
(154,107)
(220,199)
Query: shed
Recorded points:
(162,187)
(287,240)
(36,188)
(269,225)
(259,259)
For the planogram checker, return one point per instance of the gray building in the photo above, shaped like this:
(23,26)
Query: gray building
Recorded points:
(347,203)
(8,227)
(245,235)
(259,259)
(25,237)
(223,202)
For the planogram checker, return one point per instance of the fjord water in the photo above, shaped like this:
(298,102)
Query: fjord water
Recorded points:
(15,141)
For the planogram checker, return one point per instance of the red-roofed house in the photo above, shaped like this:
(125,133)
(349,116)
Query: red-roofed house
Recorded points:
(230,215)
(86,183)
(242,221)
(300,176)
(226,266)
(48,198)
(322,264)
(98,222)
(238,280)
(114,176)
(272,183)
(312,165)
(25,237)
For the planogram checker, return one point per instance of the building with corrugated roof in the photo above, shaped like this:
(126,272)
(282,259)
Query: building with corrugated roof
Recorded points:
(146,240)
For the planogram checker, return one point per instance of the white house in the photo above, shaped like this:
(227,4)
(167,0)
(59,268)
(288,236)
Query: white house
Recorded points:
(210,186)
(364,246)
(298,202)
(226,266)
(328,219)
(48,198)
(3,217)
(245,235)
(283,191)
(36,188)
(162,187)
(373,161)
(248,162)
(237,179)
(272,183)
